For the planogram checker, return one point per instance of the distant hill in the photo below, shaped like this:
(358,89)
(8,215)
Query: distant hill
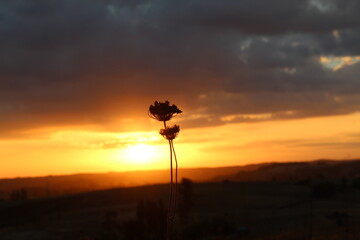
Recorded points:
(320,169)
(66,184)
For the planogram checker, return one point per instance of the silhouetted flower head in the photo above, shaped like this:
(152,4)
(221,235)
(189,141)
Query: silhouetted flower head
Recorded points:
(162,111)
(170,133)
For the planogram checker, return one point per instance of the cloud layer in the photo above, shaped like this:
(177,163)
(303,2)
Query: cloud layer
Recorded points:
(100,62)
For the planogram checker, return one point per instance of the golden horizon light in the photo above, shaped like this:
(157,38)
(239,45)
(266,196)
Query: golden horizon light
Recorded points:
(68,152)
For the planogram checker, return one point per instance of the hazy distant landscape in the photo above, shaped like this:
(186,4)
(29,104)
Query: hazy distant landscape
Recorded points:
(289,171)
(303,200)
(65,184)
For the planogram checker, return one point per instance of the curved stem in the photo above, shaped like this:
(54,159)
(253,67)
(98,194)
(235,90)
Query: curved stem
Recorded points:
(169,214)
(176,180)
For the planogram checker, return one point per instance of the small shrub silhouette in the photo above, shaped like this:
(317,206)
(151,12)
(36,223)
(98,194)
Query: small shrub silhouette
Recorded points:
(19,194)
(216,226)
(356,183)
(149,223)
(186,201)
(324,190)
(111,226)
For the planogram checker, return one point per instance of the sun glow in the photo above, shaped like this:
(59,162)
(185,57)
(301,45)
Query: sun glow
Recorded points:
(140,153)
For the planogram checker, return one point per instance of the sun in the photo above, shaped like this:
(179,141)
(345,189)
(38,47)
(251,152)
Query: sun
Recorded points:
(140,153)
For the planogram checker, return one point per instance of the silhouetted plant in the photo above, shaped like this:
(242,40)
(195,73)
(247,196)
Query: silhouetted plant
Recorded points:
(149,223)
(205,229)
(163,111)
(19,194)
(324,190)
(356,183)
(111,226)
(186,201)
(170,133)
(2,194)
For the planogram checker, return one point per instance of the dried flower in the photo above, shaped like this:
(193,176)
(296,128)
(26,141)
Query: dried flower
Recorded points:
(170,133)
(162,111)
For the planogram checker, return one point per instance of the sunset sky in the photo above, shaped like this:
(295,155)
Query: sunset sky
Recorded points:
(258,81)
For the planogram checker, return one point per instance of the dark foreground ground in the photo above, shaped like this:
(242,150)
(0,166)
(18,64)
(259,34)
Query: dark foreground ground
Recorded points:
(226,210)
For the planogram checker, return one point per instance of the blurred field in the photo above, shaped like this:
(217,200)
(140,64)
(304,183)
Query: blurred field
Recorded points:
(268,210)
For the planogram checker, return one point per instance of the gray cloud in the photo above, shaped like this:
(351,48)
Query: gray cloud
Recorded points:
(90,62)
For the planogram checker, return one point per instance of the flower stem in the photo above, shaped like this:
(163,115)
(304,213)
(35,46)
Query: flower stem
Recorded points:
(170,208)
(176,179)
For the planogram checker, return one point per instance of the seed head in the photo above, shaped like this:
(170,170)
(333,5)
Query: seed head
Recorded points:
(170,133)
(162,111)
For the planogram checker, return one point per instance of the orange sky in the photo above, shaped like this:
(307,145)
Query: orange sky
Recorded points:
(62,151)
(77,80)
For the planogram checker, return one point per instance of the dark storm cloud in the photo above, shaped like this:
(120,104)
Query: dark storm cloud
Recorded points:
(89,62)
(267,17)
